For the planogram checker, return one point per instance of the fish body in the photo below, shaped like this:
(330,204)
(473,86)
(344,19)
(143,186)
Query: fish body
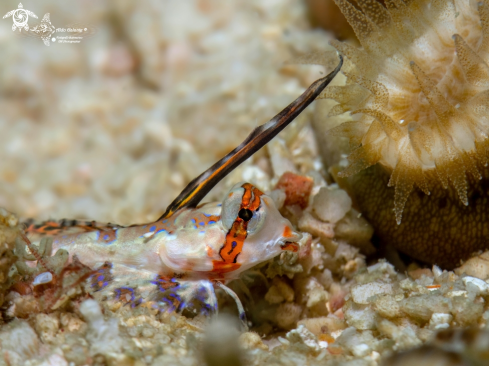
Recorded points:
(183,254)
(188,250)
(167,246)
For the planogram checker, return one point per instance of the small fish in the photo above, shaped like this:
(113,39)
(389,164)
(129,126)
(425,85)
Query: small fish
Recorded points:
(178,259)
(171,261)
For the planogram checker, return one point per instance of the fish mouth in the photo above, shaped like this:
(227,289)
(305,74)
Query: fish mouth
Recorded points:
(291,242)
(290,247)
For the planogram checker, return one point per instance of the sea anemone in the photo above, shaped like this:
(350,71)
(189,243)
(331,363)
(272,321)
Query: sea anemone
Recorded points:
(418,94)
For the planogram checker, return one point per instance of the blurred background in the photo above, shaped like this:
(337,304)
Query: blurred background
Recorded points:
(114,127)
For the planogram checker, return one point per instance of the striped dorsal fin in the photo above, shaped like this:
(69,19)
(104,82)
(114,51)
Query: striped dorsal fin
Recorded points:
(64,227)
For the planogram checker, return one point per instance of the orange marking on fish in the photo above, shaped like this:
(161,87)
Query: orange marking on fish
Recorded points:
(223,267)
(236,236)
(209,251)
(245,201)
(108,236)
(288,233)
(53,228)
(251,191)
(293,247)
(234,241)
(48,227)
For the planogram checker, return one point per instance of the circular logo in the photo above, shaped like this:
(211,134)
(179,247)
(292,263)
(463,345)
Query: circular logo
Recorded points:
(20,18)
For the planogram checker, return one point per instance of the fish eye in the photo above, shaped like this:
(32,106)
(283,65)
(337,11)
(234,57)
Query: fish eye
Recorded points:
(256,222)
(232,209)
(245,214)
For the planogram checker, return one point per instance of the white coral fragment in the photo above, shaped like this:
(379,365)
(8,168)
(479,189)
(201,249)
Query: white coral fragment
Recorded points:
(304,336)
(331,205)
(440,321)
(103,335)
(362,294)
(476,284)
(20,342)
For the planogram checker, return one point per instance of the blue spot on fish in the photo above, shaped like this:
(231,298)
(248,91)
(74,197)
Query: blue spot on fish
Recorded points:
(118,292)
(211,222)
(152,228)
(219,204)
(193,221)
(100,278)
(168,302)
(202,223)
(164,221)
(106,237)
(234,244)
(159,231)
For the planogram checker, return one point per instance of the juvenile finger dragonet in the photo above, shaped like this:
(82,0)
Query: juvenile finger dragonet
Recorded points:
(180,257)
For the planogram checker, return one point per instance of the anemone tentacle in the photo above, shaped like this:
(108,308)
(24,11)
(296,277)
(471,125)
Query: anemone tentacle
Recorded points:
(417,91)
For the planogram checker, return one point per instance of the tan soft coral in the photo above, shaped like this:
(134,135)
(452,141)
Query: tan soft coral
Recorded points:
(418,93)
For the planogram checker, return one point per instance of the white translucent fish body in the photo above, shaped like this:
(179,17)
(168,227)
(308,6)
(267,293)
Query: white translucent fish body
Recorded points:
(186,253)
